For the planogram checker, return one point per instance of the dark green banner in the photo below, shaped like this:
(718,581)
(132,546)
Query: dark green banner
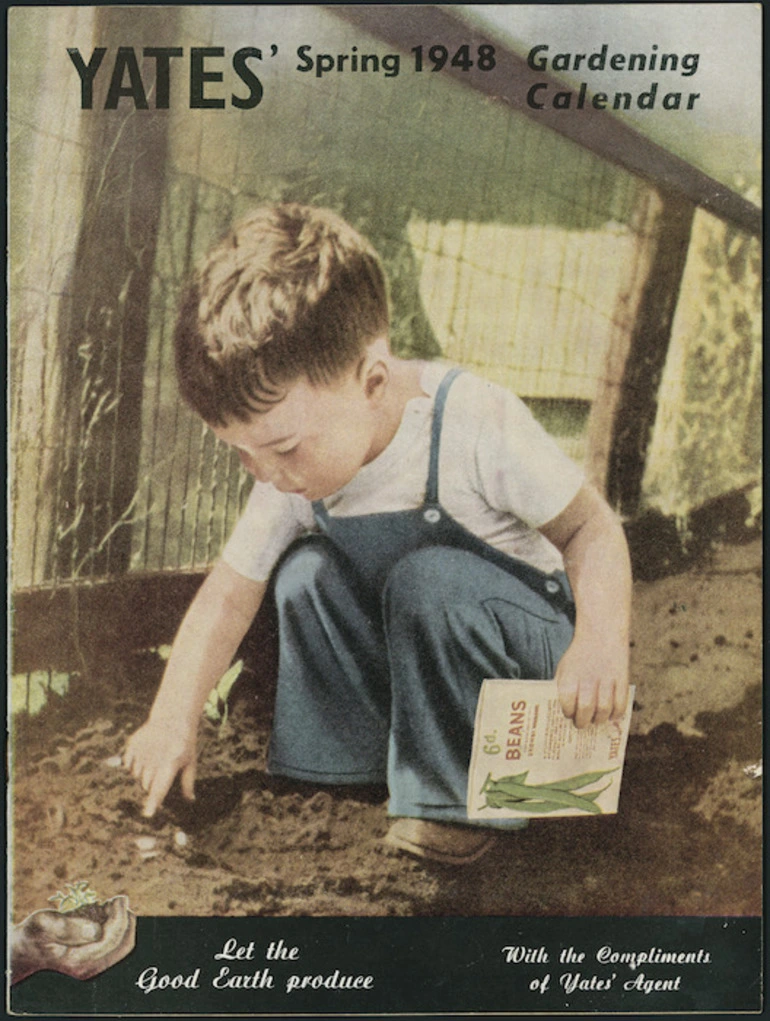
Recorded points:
(275,966)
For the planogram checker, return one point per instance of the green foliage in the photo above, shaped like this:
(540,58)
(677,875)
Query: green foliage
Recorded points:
(719,429)
(710,408)
(216,708)
(30,692)
(76,895)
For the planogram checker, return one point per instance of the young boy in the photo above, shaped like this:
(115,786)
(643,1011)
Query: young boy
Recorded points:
(418,523)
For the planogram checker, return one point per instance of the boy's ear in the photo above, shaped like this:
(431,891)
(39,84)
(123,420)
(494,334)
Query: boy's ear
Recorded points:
(376,379)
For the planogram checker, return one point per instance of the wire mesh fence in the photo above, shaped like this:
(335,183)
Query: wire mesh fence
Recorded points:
(510,250)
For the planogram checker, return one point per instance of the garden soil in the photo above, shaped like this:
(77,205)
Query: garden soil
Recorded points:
(686,841)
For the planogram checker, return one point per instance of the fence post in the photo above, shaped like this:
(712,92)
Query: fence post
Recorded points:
(103,339)
(623,412)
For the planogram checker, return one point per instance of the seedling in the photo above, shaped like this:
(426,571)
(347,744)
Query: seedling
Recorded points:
(78,895)
(215,708)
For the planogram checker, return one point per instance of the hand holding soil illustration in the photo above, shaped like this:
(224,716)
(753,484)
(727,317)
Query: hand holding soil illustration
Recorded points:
(80,943)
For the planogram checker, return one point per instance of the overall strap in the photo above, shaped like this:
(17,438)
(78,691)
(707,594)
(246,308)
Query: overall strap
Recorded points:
(321,514)
(431,490)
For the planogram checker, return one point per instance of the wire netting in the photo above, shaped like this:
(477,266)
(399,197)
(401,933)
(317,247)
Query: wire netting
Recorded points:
(509,249)
(492,262)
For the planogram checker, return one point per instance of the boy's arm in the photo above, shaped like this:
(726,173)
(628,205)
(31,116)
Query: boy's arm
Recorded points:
(592,676)
(213,628)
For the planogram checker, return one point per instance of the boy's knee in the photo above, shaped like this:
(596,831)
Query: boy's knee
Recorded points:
(421,580)
(302,569)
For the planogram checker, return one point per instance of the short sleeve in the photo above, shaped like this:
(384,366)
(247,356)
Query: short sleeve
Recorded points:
(271,521)
(522,469)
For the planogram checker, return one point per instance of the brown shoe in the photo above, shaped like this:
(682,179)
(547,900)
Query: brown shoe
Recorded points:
(439,841)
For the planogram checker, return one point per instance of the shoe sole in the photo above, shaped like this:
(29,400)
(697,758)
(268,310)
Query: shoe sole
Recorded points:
(434,854)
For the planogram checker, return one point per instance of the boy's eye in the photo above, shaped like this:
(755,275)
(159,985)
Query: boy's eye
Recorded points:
(287,450)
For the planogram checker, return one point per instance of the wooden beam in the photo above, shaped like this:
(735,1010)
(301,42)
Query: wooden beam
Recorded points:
(596,130)
(103,336)
(603,419)
(636,398)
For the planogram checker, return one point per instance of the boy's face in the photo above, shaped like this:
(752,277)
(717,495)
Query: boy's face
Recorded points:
(314,441)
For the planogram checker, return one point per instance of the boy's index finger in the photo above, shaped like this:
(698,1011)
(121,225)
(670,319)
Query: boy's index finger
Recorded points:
(157,790)
(188,780)
(150,806)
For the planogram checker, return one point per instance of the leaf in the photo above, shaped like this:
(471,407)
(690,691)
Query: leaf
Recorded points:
(215,707)
(77,895)
(228,679)
(211,709)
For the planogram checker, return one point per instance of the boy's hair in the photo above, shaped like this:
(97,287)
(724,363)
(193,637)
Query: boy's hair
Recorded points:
(292,291)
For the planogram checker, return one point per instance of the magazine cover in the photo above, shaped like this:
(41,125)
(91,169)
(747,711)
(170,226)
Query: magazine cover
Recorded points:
(360,354)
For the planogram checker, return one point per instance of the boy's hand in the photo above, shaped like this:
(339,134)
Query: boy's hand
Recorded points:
(592,676)
(593,682)
(213,628)
(155,754)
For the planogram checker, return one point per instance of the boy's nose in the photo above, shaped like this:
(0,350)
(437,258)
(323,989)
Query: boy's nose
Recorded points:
(251,466)
(264,470)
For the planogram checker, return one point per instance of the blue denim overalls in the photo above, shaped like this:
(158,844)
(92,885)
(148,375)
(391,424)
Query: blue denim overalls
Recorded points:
(388,624)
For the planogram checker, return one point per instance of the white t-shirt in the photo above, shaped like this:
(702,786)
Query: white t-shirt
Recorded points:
(501,476)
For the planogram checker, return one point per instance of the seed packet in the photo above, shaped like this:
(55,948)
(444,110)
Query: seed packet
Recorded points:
(529,760)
